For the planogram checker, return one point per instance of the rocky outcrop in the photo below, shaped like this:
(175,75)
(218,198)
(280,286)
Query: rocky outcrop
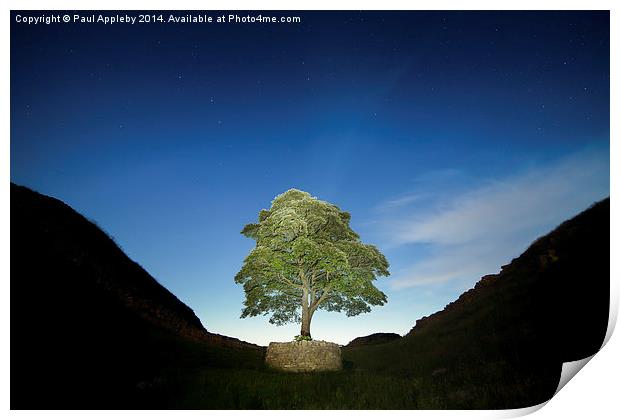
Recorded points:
(462,302)
(377,338)
(304,356)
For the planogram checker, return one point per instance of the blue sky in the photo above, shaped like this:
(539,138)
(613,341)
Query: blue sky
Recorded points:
(453,138)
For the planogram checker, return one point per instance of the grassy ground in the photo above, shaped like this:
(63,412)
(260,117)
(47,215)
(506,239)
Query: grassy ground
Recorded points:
(263,389)
(213,378)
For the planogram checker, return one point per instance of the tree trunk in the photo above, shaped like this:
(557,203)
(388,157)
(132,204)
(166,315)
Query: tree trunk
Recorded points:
(306,317)
(305,326)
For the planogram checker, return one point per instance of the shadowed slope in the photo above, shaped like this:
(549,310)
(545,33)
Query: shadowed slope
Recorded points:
(89,327)
(502,343)
(376,338)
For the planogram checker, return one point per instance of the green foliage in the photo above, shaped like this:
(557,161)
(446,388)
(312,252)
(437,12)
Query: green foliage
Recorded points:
(303,338)
(307,257)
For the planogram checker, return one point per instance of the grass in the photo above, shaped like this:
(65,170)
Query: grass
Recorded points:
(215,378)
(264,389)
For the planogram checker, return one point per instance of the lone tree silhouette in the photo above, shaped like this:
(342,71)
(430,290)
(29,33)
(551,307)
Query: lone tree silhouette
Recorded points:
(307,257)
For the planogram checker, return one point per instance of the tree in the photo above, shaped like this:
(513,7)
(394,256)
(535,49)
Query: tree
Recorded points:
(307,258)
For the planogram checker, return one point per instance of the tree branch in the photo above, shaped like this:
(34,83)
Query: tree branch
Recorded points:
(323,294)
(312,282)
(321,299)
(298,286)
(302,276)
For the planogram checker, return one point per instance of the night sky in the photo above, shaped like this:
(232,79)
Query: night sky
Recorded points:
(453,138)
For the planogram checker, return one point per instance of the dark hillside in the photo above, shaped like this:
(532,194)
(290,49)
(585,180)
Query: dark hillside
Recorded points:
(502,343)
(89,327)
(376,338)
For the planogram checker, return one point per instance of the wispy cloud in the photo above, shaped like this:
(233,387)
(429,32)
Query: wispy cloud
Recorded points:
(475,231)
(401,201)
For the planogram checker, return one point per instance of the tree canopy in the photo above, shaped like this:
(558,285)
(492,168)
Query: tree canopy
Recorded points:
(307,257)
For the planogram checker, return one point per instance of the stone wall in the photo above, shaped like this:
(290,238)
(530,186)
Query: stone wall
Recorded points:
(304,356)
